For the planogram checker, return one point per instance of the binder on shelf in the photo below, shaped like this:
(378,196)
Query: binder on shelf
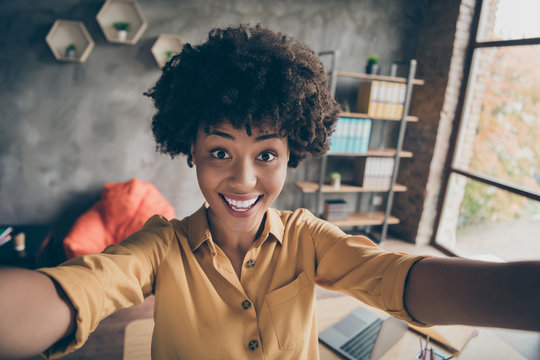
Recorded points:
(351,136)
(5,234)
(374,173)
(335,210)
(381,99)
(369,95)
(401,90)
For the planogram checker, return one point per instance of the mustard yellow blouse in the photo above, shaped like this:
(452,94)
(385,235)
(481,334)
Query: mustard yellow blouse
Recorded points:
(204,311)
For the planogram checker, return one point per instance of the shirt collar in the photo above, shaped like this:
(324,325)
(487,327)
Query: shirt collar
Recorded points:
(199,230)
(273,225)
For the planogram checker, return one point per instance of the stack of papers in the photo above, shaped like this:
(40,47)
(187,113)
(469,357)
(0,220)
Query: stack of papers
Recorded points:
(452,337)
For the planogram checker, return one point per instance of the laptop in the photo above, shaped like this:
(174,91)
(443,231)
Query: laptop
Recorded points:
(362,335)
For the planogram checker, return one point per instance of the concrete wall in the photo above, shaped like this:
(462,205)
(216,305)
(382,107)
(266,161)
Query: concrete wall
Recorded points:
(66,128)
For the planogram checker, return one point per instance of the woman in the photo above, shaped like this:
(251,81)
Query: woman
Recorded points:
(236,279)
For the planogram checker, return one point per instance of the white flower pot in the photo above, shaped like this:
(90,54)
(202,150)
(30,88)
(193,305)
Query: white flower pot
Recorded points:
(71,54)
(122,35)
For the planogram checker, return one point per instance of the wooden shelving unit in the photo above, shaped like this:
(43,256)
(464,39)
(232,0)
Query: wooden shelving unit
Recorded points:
(378,77)
(362,116)
(64,33)
(114,11)
(371,217)
(377,152)
(312,187)
(166,43)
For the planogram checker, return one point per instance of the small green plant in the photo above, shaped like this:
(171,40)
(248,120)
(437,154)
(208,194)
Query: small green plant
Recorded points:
(372,59)
(169,54)
(336,179)
(372,65)
(122,25)
(70,51)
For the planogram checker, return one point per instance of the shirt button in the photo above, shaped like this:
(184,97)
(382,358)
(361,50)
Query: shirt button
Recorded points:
(250,263)
(246,304)
(253,345)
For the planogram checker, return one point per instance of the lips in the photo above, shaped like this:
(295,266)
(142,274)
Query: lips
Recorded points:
(241,205)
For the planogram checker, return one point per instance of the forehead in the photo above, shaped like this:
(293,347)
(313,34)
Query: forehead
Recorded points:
(253,130)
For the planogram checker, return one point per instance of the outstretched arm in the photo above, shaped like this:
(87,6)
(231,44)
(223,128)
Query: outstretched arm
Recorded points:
(34,313)
(443,291)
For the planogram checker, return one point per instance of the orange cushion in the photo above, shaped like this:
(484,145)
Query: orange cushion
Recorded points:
(122,210)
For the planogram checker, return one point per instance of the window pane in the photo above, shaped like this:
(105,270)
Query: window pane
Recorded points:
(479,219)
(509,20)
(500,134)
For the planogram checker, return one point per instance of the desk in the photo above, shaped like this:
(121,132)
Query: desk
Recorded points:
(486,345)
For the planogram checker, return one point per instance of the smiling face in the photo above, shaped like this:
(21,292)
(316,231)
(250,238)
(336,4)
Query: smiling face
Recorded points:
(239,175)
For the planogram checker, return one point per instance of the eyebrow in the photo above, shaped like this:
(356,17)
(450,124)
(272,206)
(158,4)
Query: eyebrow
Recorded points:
(230,137)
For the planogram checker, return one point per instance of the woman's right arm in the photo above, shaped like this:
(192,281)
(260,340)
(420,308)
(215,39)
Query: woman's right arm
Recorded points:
(34,313)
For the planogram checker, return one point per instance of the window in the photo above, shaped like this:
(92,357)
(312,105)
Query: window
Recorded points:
(491,206)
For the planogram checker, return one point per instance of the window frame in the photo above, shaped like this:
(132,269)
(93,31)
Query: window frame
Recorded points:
(449,168)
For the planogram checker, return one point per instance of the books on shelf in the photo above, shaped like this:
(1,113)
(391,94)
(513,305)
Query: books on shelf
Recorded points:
(374,172)
(5,234)
(382,99)
(335,210)
(351,136)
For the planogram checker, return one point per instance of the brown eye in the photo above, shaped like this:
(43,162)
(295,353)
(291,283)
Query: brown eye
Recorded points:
(220,154)
(266,156)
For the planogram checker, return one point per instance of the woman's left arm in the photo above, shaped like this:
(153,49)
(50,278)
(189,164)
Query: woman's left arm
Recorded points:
(442,291)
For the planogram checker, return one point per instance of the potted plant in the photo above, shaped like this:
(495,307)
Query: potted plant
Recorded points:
(372,65)
(336,179)
(169,54)
(71,51)
(122,28)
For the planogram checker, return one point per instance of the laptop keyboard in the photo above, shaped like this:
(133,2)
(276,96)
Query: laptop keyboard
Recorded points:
(360,346)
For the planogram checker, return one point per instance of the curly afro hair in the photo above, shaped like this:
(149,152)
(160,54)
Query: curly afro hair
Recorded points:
(249,76)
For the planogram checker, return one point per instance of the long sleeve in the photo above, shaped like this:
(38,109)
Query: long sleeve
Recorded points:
(354,265)
(121,276)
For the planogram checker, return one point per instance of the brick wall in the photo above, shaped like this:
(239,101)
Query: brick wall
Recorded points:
(441,53)
(473,106)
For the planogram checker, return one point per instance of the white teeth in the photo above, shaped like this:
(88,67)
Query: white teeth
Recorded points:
(241,205)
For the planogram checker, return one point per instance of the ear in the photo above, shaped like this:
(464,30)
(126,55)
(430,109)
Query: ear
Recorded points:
(192,151)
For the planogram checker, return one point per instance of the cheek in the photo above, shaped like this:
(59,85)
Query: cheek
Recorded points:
(207,177)
(276,179)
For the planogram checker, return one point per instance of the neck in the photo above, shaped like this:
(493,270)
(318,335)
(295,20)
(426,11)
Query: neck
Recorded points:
(227,238)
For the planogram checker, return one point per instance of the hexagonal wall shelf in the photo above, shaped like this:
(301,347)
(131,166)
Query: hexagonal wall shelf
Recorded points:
(114,13)
(69,41)
(165,47)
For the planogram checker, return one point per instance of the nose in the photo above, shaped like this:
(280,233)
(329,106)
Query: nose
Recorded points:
(243,175)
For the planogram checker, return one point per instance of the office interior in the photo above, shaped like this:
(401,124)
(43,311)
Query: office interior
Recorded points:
(69,127)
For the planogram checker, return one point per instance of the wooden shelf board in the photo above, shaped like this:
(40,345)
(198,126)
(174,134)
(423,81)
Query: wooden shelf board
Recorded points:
(366,219)
(377,152)
(312,187)
(378,77)
(366,116)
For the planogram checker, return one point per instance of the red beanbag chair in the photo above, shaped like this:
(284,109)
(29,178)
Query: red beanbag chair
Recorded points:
(122,210)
